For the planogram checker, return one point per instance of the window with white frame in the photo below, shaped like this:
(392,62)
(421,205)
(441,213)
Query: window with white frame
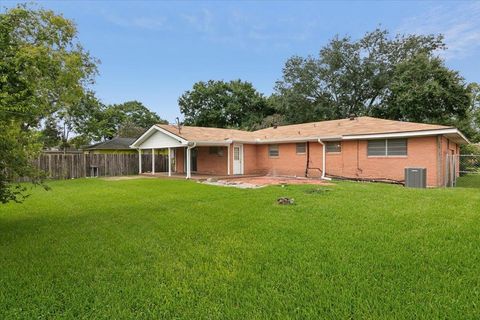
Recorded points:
(387,147)
(333,146)
(301,148)
(273,150)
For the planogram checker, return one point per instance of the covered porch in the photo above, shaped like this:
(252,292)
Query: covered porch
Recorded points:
(184,158)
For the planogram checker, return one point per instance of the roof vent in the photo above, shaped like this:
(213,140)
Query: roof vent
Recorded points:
(179,125)
(275,126)
(352,116)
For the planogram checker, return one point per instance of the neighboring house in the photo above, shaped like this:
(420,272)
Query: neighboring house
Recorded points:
(358,148)
(115,145)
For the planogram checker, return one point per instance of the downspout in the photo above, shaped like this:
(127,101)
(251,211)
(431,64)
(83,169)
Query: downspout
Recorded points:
(324,157)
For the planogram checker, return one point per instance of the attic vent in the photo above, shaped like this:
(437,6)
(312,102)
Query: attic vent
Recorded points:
(179,126)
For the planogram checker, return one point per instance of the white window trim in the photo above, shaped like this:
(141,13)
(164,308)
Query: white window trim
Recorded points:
(386,149)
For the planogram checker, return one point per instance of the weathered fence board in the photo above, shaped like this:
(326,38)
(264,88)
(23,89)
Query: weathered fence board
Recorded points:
(78,165)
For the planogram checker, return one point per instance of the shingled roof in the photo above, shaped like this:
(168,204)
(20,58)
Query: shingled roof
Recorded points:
(325,129)
(191,133)
(343,129)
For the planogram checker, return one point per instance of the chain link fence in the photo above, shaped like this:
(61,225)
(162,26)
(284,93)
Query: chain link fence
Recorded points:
(462,171)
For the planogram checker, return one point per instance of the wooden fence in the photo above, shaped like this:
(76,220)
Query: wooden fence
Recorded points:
(78,165)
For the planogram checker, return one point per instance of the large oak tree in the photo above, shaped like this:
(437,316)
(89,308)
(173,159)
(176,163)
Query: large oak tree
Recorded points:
(233,104)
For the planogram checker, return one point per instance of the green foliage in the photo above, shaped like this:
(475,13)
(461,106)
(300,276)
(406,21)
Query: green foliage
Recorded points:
(174,249)
(95,121)
(234,104)
(474,89)
(398,78)
(43,71)
(50,135)
(18,149)
(128,114)
(422,89)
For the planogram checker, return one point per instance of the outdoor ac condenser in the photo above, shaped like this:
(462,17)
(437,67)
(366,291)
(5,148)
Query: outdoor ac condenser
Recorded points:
(415,177)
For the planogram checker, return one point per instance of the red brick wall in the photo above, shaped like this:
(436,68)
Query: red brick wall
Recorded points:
(249,159)
(351,162)
(179,160)
(211,163)
(288,162)
(206,163)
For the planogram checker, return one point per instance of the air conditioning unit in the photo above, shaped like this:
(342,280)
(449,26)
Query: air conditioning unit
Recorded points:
(415,177)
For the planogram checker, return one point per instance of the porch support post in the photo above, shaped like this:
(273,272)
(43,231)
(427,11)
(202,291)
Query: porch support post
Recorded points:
(169,162)
(228,160)
(139,161)
(189,160)
(153,161)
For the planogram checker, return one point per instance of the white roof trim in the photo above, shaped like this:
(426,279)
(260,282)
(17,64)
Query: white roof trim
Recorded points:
(406,134)
(285,140)
(212,143)
(148,133)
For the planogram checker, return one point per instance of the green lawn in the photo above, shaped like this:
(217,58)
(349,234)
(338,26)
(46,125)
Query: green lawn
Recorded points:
(151,248)
(469,181)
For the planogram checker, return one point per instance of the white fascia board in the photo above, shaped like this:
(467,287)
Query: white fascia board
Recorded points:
(288,140)
(212,143)
(404,134)
(153,128)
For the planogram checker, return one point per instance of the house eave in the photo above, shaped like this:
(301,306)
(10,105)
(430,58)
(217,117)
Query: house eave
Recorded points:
(453,133)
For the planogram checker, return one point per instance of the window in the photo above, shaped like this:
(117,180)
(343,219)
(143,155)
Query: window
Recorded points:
(387,147)
(273,150)
(301,148)
(333,146)
(216,150)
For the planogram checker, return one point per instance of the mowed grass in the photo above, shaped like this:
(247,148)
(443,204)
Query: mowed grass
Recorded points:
(469,181)
(151,248)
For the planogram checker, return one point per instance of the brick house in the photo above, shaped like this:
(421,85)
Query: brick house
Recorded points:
(357,148)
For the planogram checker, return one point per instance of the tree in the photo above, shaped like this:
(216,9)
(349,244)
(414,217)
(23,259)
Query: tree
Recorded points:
(348,77)
(422,89)
(95,121)
(128,114)
(474,89)
(50,135)
(43,70)
(234,104)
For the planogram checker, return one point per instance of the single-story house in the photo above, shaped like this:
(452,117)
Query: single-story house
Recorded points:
(114,145)
(357,148)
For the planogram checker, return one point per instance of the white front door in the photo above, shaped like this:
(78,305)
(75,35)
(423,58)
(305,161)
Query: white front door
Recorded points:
(238,159)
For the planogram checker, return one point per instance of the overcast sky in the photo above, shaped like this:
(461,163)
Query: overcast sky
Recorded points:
(154,51)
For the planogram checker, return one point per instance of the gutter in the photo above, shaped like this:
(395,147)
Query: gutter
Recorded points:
(324,165)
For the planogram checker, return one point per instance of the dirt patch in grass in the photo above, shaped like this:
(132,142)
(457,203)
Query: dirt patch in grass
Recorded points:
(258,182)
